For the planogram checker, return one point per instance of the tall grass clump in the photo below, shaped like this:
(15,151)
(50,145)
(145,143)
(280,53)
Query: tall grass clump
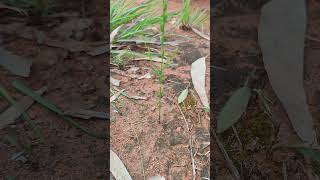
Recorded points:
(133,19)
(192,17)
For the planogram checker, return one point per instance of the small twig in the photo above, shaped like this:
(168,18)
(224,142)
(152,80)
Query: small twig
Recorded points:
(142,159)
(284,171)
(200,34)
(231,166)
(237,136)
(12,8)
(83,8)
(312,38)
(184,118)
(251,75)
(192,159)
(219,68)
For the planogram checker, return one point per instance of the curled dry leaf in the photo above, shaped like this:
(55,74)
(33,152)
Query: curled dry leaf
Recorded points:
(117,168)
(114,33)
(114,81)
(198,74)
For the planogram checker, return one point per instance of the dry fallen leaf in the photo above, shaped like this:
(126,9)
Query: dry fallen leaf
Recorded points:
(114,33)
(15,64)
(146,76)
(11,114)
(138,98)
(281,38)
(116,95)
(117,168)
(198,74)
(158,177)
(114,81)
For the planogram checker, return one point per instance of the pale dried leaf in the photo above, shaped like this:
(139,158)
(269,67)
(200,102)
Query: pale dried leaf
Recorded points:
(200,34)
(138,98)
(117,168)
(15,64)
(146,76)
(133,70)
(11,114)
(115,96)
(114,33)
(155,59)
(183,95)
(158,177)
(114,81)
(281,38)
(198,74)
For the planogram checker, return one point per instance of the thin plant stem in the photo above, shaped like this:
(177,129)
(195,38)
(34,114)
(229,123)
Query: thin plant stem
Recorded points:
(161,78)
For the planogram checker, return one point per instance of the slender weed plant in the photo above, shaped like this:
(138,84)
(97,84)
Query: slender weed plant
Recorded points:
(159,72)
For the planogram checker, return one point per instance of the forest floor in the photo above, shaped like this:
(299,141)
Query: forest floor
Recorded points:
(150,147)
(74,77)
(237,53)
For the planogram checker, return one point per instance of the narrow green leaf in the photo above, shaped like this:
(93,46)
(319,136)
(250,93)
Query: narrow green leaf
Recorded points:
(306,150)
(309,152)
(233,109)
(27,91)
(183,95)
(32,126)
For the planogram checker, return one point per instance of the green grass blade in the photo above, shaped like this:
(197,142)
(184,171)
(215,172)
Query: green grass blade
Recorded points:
(27,91)
(37,132)
(183,95)
(309,151)
(233,109)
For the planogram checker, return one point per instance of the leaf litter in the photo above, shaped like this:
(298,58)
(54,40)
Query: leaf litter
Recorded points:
(74,37)
(304,79)
(17,65)
(11,114)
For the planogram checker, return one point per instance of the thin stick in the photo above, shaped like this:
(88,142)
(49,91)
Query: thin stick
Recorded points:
(284,171)
(200,34)
(237,136)
(231,166)
(142,159)
(192,159)
(312,38)
(219,68)
(184,118)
